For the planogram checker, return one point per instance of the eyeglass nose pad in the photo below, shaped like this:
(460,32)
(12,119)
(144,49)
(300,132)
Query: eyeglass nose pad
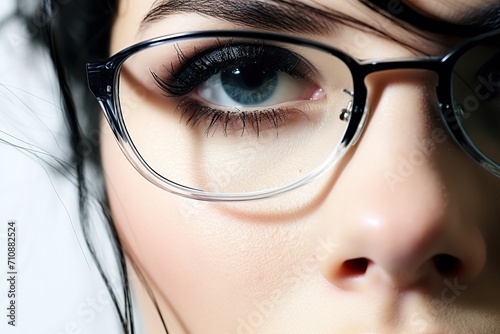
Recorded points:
(345,114)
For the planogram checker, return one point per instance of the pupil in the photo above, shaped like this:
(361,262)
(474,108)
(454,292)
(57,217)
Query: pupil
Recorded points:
(250,77)
(250,84)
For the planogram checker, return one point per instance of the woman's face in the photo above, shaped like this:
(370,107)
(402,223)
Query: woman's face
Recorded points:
(400,237)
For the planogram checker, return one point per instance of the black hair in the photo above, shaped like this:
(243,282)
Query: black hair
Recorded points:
(75,32)
(78,31)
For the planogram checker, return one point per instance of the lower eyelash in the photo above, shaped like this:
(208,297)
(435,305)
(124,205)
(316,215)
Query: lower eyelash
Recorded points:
(195,114)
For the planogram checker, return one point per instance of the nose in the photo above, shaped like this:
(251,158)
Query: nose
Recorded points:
(398,210)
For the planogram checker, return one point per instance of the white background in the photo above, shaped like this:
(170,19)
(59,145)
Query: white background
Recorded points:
(58,288)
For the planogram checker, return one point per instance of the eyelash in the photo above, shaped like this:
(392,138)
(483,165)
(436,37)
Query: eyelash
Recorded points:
(199,68)
(197,113)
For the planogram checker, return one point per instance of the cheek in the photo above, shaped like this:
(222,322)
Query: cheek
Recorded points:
(211,264)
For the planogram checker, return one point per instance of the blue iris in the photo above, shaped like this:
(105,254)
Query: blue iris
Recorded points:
(250,84)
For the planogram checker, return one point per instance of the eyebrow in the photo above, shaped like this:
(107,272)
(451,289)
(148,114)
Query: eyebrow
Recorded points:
(281,15)
(487,18)
(298,17)
(473,23)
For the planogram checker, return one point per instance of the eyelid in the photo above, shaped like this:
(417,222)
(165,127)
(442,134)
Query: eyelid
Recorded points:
(195,69)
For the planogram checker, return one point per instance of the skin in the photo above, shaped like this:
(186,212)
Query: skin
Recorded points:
(289,264)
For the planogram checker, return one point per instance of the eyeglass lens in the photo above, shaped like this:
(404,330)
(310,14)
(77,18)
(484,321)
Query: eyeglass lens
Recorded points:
(476,97)
(234,116)
(237,116)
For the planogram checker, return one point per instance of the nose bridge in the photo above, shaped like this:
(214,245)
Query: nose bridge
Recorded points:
(401,221)
(367,70)
(404,72)
(404,127)
(405,118)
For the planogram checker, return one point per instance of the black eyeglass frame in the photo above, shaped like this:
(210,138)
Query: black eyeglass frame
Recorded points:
(103,80)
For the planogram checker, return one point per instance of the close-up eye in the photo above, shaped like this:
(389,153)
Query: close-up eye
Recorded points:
(253,85)
(242,76)
(239,87)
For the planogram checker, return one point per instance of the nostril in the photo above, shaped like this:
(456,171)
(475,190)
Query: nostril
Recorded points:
(447,264)
(355,267)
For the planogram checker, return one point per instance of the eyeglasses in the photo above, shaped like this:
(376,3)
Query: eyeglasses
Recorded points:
(238,115)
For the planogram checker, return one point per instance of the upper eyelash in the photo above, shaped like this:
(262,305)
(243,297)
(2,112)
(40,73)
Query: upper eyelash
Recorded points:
(199,68)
